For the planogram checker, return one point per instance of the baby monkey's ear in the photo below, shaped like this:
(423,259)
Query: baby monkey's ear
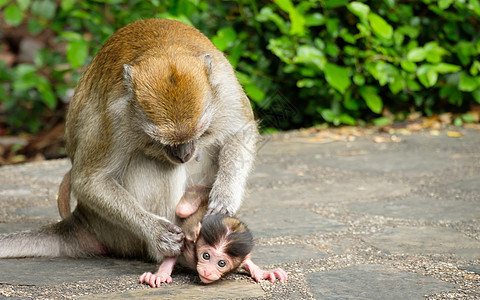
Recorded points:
(197,231)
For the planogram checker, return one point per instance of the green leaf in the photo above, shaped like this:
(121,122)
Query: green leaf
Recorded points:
(351,104)
(396,85)
(347,119)
(359,79)
(228,34)
(306,83)
(370,95)
(285,5)
(476,95)
(337,77)
(408,66)
(67,5)
(382,121)
(468,118)
(255,93)
(468,83)
(310,54)
(327,115)
(475,68)
(444,68)
(380,26)
(77,53)
(335,3)
(359,9)
(13,15)
(416,54)
(45,89)
(3,3)
(44,8)
(427,75)
(23,4)
(71,36)
(298,23)
(315,19)
(444,4)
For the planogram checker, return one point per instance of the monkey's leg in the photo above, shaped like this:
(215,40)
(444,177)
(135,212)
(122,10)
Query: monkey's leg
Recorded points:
(162,275)
(192,199)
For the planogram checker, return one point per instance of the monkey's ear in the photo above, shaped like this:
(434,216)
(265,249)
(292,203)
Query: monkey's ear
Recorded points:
(127,75)
(197,231)
(208,63)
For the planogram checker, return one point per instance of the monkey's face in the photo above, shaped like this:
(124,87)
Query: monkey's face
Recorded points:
(173,94)
(213,262)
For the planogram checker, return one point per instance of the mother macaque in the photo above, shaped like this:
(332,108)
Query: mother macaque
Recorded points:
(155,95)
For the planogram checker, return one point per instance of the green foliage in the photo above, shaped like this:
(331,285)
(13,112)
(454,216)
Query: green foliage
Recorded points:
(300,62)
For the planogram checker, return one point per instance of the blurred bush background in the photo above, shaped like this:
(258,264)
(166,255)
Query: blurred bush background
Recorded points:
(302,63)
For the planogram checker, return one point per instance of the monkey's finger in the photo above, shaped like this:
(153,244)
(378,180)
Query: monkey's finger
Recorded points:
(174,228)
(272,276)
(282,275)
(148,277)
(153,280)
(144,275)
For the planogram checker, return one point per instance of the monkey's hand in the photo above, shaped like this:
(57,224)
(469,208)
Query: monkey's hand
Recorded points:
(162,275)
(258,274)
(220,205)
(168,238)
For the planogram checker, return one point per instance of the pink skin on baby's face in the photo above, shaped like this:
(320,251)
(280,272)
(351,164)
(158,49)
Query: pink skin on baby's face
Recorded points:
(213,263)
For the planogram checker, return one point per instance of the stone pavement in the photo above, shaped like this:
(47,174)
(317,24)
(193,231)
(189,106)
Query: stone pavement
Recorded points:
(356,219)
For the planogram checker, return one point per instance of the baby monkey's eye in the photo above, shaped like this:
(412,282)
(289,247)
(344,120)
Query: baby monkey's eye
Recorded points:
(206,256)
(222,264)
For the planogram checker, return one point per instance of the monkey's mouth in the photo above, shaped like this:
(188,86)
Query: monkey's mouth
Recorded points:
(205,280)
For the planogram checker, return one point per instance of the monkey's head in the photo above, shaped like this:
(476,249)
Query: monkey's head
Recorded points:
(222,246)
(173,94)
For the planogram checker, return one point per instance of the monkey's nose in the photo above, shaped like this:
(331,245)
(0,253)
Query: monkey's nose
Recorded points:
(182,152)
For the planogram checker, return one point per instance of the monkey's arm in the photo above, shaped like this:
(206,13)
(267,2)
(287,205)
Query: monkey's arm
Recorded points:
(162,275)
(258,274)
(235,162)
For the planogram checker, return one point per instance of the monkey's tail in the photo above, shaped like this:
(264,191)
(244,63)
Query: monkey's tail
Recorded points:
(63,239)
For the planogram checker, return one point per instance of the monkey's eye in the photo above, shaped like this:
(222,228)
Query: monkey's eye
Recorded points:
(206,256)
(222,264)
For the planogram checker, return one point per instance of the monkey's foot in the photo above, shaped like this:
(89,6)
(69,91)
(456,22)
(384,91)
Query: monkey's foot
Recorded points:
(155,280)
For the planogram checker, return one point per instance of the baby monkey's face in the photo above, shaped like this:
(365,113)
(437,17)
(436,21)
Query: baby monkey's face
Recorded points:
(213,262)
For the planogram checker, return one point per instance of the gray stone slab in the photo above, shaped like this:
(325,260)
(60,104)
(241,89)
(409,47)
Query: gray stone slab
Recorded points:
(222,289)
(402,163)
(471,268)
(44,271)
(327,191)
(276,254)
(425,241)
(468,184)
(47,213)
(14,227)
(420,208)
(373,282)
(278,220)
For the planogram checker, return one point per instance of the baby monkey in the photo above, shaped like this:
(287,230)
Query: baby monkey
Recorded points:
(213,246)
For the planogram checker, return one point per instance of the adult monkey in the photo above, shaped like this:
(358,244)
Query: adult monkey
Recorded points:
(155,95)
